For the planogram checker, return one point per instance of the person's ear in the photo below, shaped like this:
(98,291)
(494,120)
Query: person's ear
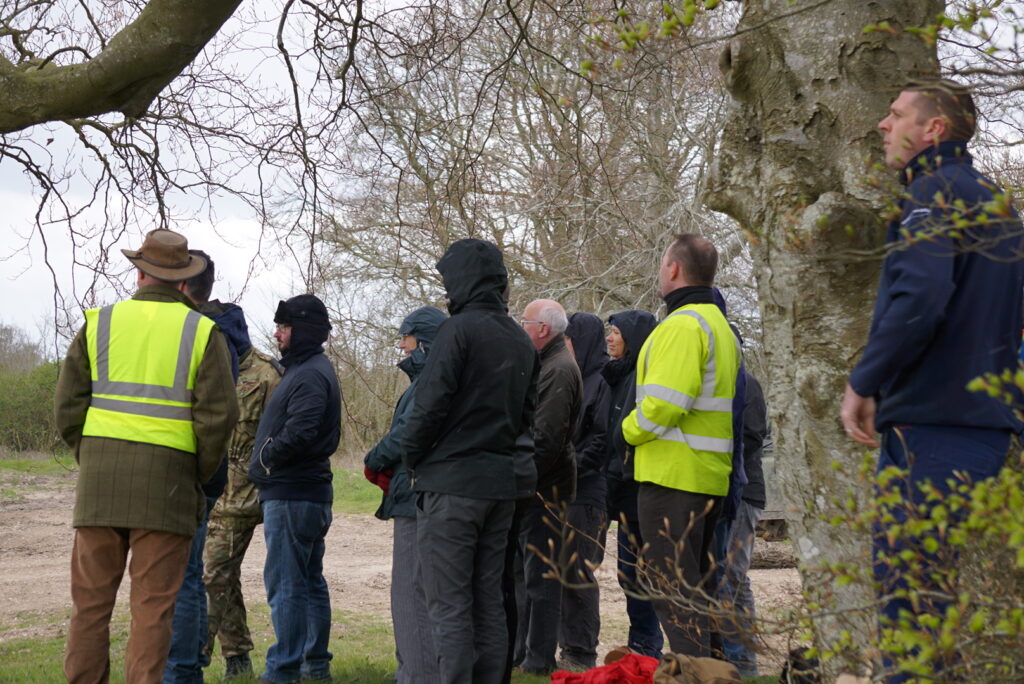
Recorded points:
(936,129)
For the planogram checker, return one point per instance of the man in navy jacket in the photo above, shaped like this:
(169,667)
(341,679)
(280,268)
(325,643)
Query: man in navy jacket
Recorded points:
(291,466)
(948,311)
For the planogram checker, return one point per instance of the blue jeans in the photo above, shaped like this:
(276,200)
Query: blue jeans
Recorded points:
(645,635)
(929,453)
(738,637)
(300,606)
(185,662)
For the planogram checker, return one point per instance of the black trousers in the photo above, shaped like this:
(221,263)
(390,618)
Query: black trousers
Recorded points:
(679,528)
(581,604)
(538,598)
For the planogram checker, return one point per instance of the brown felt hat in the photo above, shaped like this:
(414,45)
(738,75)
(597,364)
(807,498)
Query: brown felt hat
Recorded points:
(164,255)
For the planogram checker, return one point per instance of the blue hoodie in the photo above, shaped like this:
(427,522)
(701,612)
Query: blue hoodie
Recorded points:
(231,320)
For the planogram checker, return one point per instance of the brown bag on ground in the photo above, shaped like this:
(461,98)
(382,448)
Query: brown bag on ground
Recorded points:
(681,669)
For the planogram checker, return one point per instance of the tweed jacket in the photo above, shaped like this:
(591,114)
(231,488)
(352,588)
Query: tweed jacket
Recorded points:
(134,485)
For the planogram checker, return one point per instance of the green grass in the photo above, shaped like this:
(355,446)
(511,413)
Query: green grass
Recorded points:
(353,493)
(362,645)
(48,465)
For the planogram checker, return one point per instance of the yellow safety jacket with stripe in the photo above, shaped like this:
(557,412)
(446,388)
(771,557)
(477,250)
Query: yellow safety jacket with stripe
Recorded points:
(144,357)
(685,384)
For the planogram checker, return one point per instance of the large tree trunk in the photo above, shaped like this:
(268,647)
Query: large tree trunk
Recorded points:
(809,89)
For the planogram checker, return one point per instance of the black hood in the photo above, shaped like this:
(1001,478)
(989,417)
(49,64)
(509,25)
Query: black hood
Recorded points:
(587,334)
(474,273)
(421,324)
(634,325)
(310,326)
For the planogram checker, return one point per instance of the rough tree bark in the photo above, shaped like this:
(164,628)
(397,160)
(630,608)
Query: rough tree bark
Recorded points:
(125,76)
(808,91)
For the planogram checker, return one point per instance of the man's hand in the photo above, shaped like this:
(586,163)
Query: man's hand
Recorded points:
(858,416)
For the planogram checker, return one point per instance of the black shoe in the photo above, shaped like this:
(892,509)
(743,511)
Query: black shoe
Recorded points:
(238,666)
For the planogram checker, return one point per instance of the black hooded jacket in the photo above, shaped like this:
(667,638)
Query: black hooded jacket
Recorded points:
(301,425)
(587,334)
(620,374)
(472,414)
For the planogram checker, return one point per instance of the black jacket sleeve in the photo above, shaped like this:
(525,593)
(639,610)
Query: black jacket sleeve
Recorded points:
(594,455)
(554,418)
(436,385)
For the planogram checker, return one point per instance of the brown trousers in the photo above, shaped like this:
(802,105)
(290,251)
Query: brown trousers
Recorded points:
(157,568)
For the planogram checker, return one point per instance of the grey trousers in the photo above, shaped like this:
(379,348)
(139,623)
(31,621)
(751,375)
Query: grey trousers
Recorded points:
(462,552)
(414,642)
(581,615)
(679,532)
(738,637)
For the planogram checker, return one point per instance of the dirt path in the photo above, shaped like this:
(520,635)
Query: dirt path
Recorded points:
(35,547)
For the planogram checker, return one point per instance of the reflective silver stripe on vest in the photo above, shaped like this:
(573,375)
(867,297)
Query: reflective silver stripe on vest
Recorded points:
(699,442)
(139,390)
(674,397)
(647,424)
(140,409)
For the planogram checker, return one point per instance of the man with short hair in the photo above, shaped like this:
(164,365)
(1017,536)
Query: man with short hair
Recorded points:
(473,407)
(187,656)
(237,511)
(291,466)
(948,311)
(682,428)
(144,399)
(559,398)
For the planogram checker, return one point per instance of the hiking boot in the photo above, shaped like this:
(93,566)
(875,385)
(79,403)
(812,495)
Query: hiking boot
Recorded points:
(238,666)
(570,664)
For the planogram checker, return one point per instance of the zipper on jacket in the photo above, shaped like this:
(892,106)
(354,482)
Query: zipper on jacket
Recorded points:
(260,457)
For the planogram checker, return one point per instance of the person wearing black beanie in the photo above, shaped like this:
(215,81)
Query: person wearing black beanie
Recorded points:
(299,431)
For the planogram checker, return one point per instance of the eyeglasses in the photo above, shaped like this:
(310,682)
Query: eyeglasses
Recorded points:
(283,326)
(523,321)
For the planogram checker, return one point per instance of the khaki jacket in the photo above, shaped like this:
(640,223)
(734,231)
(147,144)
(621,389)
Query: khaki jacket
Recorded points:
(258,375)
(144,486)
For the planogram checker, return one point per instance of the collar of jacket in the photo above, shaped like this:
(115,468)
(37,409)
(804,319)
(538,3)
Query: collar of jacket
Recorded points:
(691,294)
(556,345)
(162,293)
(948,152)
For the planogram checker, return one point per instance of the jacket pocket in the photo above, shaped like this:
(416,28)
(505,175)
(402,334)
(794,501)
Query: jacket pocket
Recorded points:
(259,455)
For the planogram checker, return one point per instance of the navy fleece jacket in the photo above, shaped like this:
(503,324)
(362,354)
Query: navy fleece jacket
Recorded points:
(949,300)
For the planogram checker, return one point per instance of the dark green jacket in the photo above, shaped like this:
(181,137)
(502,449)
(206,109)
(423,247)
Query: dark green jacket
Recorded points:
(144,486)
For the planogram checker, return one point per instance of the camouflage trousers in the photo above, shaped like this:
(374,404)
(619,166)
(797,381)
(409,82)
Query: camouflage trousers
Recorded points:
(227,540)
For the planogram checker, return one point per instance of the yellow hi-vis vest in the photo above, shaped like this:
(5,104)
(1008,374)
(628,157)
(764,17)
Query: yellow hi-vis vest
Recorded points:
(144,357)
(685,384)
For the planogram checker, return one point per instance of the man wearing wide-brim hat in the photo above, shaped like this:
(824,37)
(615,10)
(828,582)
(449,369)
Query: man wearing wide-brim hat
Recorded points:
(147,402)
